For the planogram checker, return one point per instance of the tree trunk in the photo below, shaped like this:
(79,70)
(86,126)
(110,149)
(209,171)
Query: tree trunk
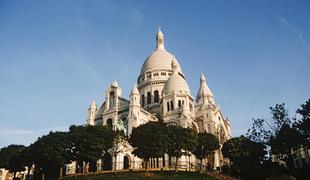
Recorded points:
(200,164)
(176,164)
(60,172)
(43,176)
(170,162)
(164,163)
(146,164)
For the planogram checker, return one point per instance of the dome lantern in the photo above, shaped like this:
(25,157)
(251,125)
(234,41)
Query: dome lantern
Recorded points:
(160,40)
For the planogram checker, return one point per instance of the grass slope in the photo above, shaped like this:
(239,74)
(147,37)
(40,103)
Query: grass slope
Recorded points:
(145,175)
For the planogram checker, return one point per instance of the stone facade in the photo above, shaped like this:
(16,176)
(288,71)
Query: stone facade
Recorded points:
(161,93)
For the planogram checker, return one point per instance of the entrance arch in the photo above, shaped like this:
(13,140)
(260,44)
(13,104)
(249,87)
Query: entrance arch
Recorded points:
(109,123)
(107,162)
(126,162)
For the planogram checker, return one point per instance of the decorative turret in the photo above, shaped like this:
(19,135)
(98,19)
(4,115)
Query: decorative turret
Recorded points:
(112,95)
(160,40)
(91,114)
(204,92)
(134,97)
(114,83)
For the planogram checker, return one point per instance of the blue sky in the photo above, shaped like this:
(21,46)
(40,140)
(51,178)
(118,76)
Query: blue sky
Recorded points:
(57,56)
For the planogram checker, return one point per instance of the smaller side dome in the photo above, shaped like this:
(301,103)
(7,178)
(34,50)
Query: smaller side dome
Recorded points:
(176,83)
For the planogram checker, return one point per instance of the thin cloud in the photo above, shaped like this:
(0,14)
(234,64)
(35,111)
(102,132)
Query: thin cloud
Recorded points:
(9,132)
(296,30)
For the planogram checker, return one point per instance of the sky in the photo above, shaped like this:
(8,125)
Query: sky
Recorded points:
(57,56)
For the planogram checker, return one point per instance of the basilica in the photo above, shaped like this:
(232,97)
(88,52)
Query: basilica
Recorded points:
(161,93)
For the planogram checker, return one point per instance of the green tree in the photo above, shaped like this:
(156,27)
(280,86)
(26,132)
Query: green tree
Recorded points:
(89,143)
(303,124)
(181,142)
(9,158)
(51,152)
(149,140)
(259,132)
(206,144)
(27,159)
(279,134)
(282,143)
(246,156)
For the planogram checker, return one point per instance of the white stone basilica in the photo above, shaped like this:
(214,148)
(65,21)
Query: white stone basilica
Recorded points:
(161,93)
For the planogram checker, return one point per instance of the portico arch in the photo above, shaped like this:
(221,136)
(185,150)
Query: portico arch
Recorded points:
(126,162)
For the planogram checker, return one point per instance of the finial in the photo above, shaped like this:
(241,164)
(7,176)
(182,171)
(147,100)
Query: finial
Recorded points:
(114,83)
(202,77)
(174,65)
(93,105)
(160,39)
(135,90)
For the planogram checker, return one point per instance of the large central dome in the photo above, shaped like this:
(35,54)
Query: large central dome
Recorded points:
(160,59)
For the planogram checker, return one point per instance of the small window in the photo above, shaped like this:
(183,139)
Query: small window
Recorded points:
(155,74)
(156,96)
(109,123)
(171,104)
(142,100)
(168,107)
(170,74)
(179,104)
(163,73)
(149,98)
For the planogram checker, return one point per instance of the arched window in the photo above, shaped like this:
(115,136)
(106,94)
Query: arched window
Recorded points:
(142,100)
(168,106)
(112,99)
(179,103)
(222,135)
(126,162)
(156,96)
(171,105)
(109,123)
(149,98)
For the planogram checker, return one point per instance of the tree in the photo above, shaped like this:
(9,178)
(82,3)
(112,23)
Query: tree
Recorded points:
(303,124)
(246,155)
(27,157)
(259,132)
(206,144)
(9,158)
(282,143)
(149,140)
(89,143)
(181,141)
(279,134)
(51,152)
